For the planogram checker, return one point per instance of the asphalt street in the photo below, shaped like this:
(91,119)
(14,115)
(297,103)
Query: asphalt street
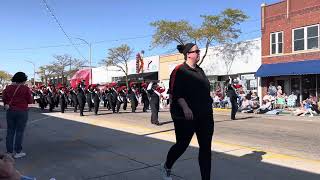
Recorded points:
(126,146)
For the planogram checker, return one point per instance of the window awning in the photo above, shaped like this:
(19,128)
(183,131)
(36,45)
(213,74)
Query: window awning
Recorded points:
(289,68)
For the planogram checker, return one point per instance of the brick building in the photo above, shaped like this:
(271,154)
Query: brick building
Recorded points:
(290,47)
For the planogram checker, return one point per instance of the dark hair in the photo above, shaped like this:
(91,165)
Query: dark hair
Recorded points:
(19,77)
(184,49)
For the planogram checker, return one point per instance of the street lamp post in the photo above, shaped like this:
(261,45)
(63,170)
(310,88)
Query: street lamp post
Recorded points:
(89,44)
(34,71)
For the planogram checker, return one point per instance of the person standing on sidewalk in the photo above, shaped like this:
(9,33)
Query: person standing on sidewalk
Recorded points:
(191,111)
(154,102)
(16,98)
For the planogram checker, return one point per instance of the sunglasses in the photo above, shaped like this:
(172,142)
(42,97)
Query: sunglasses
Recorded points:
(195,51)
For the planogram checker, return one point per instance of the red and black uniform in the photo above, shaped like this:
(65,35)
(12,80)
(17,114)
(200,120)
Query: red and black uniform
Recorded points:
(145,97)
(192,85)
(132,93)
(154,102)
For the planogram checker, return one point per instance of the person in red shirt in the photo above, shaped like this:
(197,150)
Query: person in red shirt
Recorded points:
(16,98)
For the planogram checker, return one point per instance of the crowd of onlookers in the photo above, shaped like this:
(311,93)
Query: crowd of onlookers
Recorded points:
(273,102)
(247,101)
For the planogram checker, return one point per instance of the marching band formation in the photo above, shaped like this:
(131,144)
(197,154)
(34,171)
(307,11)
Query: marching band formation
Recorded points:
(112,95)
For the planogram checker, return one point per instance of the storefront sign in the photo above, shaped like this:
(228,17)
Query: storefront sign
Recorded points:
(150,64)
(248,76)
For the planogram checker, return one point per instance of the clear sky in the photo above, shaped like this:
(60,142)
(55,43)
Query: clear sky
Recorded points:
(28,31)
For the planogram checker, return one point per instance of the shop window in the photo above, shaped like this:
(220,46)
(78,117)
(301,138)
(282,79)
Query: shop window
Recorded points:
(295,87)
(276,43)
(306,38)
(308,86)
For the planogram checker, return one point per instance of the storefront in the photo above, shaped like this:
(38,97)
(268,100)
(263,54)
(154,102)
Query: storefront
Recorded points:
(218,69)
(141,77)
(167,65)
(243,66)
(301,77)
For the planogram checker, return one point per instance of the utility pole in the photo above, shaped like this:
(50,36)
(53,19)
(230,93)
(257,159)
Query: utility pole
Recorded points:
(90,50)
(34,71)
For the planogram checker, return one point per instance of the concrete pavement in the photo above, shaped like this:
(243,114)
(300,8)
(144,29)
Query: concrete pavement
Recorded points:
(69,147)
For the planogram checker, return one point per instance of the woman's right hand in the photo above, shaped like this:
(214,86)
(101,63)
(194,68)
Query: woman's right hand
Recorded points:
(188,113)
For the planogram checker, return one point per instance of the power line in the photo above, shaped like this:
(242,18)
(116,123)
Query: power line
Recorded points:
(123,39)
(94,42)
(61,28)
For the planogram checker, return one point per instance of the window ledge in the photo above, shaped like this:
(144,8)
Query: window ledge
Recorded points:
(293,53)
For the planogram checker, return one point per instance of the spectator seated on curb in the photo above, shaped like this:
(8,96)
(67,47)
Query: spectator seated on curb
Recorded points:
(314,102)
(265,107)
(224,102)
(307,104)
(281,101)
(8,171)
(304,109)
(300,111)
(292,99)
(216,101)
(270,98)
(246,105)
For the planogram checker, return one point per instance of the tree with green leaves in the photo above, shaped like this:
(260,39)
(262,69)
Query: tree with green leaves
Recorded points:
(45,72)
(4,77)
(168,32)
(214,30)
(61,64)
(119,57)
(230,51)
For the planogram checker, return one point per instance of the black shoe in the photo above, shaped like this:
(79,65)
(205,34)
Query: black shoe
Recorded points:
(156,123)
(233,118)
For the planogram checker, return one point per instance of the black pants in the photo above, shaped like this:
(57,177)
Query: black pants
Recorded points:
(90,105)
(16,122)
(154,112)
(125,104)
(96,108)
(62,107)
(81,108)
(184,130)
(75,107)
(234,106)
(145,105)
(113,105)
(134,104)
(118,105)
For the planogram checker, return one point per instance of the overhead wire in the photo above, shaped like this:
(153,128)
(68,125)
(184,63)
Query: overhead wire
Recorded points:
(61,28)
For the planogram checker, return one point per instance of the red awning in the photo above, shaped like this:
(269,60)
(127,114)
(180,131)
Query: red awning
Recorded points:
(83,74)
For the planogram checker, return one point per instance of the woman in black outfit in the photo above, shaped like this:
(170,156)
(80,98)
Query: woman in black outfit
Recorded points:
(191,111)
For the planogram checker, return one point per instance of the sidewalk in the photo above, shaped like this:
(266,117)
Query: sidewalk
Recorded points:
(282,116)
